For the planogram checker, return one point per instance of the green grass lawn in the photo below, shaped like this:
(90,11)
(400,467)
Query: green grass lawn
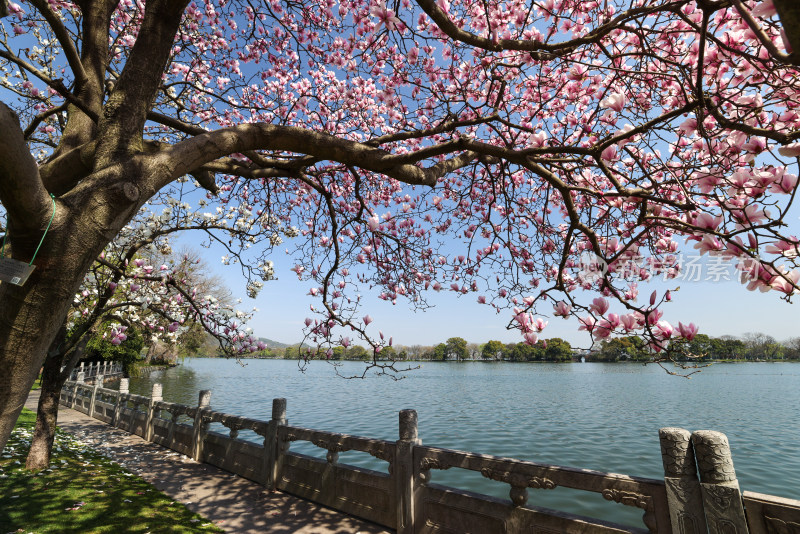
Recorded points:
(82,492)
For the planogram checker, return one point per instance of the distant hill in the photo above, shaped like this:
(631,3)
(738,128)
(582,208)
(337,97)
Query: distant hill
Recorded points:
(273,344)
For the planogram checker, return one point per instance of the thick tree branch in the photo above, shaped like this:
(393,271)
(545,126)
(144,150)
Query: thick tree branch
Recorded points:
(21,191)
(537,49)
(789,13)
(191,154)
(792,16)
(61,173)
(125,113)
(87,102)
(175,123)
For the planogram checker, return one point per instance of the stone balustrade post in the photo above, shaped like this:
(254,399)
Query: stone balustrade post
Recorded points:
(98,383)
(200,426)
(403,470)
(722,498)
(124,388)
(155,396)
(272,449)
(78,380)
(684,497)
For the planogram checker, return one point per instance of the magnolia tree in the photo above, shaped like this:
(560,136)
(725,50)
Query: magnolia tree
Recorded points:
(496,147)
(138,283)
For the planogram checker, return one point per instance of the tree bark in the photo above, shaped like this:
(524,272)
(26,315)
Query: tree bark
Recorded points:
(53,379)
(46,415)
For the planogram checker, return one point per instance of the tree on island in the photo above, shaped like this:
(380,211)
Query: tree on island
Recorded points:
(567,145)
(456,349)
(493,350)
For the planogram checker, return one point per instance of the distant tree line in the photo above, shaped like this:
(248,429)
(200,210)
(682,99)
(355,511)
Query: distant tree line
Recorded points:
(455,349)
(748,347)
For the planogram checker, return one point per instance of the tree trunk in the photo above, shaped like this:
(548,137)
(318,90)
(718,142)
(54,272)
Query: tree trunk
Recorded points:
(46,415)
(53,379)
(27,326)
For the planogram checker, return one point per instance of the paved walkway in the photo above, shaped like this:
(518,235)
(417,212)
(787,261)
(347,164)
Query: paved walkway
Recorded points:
(231,502)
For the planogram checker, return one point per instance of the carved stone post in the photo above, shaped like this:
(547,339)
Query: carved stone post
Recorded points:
(272,449)
(155,396)
(722,499)
(78,380)
(124,385)
(200,426)
(684,499)
(403,471)
(98,383)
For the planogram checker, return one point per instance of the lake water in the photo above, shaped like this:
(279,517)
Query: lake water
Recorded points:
(588,415)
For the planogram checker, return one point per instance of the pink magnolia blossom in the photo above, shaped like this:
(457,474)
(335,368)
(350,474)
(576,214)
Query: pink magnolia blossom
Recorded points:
(687,331)
(664,330)
(629,322)
(385,16)
(600,305)
(764,9)
(586,323)
(602,329)
(790,151)
(615,101)
(562,309)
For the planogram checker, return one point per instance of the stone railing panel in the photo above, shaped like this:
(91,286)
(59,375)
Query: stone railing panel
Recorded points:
(82,397)
(335,443)
(233,455)
(442,509)
(105,404)
(768,514)
(174,410)
(360,492)
(235,423)
(132,416)
(170,433)
(647,494)
(175,436)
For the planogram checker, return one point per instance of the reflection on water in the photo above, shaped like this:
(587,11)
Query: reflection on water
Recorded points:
(596,416)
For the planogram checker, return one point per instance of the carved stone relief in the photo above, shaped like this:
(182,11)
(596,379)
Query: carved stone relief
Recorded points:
(779,526)
(677,453)
(518,479)
(713,455)
(628,498)
(331,446)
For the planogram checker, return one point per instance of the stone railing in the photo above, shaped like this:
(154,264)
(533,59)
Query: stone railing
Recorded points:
(91,371)
(406,499)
